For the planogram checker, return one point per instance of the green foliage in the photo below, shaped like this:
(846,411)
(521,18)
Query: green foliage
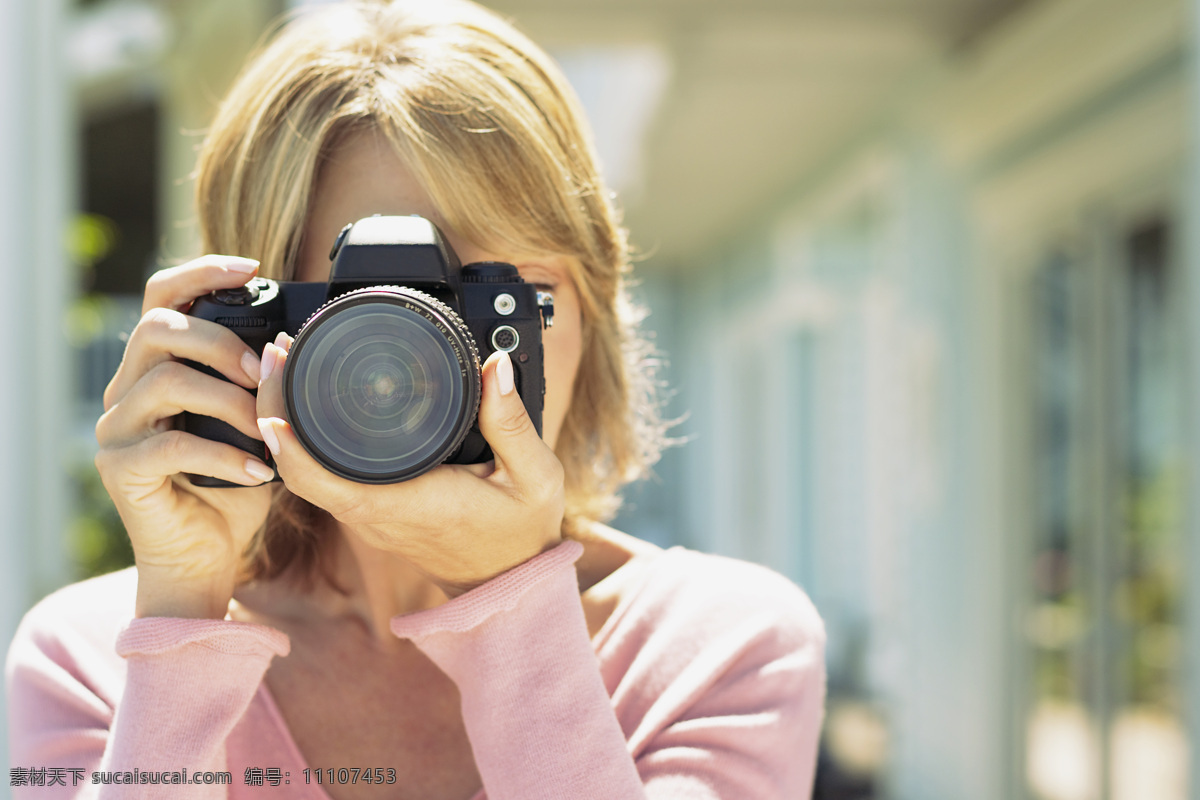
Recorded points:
(97,542)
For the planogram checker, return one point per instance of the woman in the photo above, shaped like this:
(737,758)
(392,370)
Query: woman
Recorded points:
(475,628)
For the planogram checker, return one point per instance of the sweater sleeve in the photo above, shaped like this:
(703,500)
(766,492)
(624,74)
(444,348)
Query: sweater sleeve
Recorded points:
(186,684)
(743,717)
(518,649)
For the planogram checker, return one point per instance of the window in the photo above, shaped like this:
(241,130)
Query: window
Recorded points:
(1101,577)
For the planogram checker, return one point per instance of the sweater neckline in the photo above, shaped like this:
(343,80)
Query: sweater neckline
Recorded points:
(598,642)
(276,716)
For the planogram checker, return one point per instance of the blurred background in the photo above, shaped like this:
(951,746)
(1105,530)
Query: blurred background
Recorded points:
(926,276)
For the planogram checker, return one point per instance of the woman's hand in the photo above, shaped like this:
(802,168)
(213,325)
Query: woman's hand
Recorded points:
(187,540)
(460,524)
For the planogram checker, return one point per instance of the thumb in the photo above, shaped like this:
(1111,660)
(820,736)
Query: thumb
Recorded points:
(503,420)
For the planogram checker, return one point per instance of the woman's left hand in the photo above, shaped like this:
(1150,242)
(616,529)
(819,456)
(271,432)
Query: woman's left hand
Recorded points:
(460,524)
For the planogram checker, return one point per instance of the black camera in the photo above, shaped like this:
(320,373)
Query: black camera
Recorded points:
(383,381)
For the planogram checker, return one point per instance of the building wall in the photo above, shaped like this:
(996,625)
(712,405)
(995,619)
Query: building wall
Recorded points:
(857,373)
(35,195)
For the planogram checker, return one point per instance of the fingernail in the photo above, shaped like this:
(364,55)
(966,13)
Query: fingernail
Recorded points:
(504,374)
(283,341)
(268,433)
(251,366)
(246,266)
(268,363)
(259,471)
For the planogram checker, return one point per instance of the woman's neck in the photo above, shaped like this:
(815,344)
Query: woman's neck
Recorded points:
(373,585)
(361,585)
(369,586)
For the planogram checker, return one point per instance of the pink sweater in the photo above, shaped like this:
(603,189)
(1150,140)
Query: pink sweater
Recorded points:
(706,681)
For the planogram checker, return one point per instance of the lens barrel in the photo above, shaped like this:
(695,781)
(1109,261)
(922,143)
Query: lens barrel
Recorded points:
(382,384)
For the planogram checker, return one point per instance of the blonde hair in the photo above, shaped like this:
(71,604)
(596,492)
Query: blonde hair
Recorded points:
(493,132)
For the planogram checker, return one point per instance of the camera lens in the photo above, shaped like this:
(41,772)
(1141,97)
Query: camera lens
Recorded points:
(382,384)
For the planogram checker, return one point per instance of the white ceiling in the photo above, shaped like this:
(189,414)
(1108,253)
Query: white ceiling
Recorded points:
(759,94)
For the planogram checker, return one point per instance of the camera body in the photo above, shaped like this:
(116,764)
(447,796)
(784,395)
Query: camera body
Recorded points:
(383,381)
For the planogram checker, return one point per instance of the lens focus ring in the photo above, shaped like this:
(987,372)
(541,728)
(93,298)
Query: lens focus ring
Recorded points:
(382,384)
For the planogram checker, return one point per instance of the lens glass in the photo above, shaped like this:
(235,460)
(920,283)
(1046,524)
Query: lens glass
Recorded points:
(378,391)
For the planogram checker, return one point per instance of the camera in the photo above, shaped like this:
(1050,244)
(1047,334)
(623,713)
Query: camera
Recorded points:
(383,380)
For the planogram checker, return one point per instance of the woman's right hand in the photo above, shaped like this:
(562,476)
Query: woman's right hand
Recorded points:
(187,540)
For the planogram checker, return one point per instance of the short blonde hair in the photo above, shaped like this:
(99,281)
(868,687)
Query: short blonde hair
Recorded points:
(482,116)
